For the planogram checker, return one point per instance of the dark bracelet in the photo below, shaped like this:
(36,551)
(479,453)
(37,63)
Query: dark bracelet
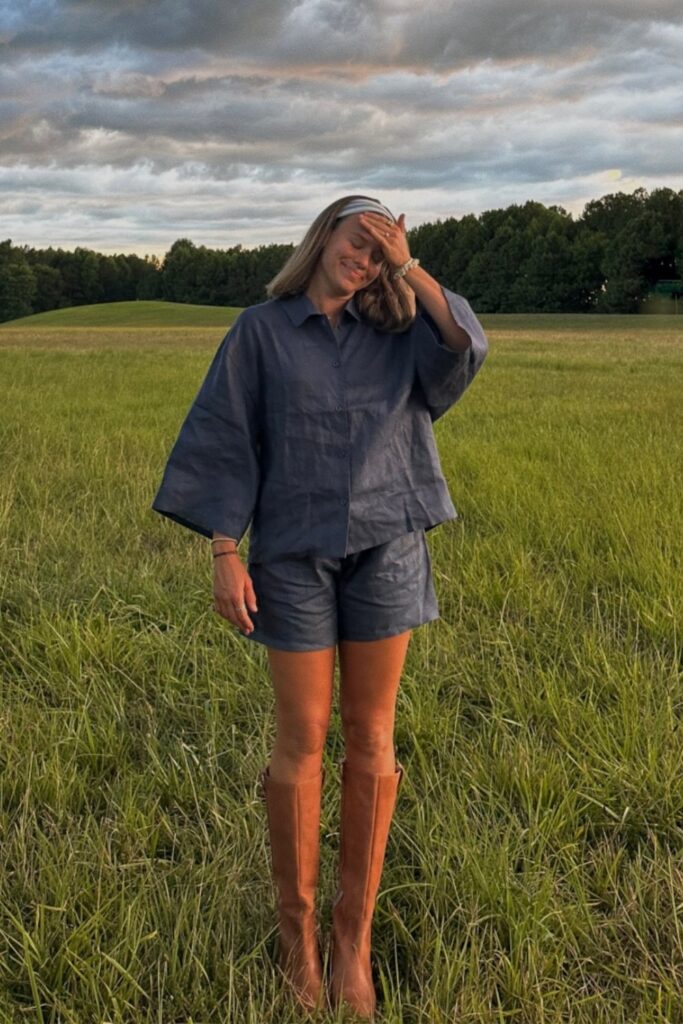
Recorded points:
(219,554)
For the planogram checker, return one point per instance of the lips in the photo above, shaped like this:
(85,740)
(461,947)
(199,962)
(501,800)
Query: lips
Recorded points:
(357,274)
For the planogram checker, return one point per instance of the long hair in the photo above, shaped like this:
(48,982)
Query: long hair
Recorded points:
(387,304)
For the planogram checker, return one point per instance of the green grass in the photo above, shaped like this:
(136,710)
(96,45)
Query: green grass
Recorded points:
(534,872)
(129,314)
(176,314)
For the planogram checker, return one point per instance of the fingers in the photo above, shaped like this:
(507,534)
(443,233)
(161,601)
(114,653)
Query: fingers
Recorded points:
(237,616)
(248,600)
(233,598)
(391,237)
(375,225)
(249,594)
(380,223)
(243,621)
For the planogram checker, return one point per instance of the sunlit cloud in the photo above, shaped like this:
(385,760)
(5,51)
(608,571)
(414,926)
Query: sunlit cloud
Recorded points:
(125,126)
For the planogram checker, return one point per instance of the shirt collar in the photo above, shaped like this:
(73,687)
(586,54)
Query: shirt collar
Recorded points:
(300,307)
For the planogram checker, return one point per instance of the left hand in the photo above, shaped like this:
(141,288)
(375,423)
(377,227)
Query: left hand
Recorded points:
(391,238)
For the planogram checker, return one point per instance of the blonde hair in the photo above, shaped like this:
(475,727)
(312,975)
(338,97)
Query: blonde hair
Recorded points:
(387,304)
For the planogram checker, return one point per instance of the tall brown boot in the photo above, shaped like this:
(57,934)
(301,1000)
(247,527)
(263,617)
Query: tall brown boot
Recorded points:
(367,807)
(293,811)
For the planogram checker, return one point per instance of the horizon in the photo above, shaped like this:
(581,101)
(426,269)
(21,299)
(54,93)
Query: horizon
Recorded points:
(118,251)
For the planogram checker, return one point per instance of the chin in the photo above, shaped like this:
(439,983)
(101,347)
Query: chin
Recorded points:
(354,282)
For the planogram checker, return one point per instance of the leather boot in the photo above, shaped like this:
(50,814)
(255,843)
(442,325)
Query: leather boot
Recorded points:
(293,811)
(367,807)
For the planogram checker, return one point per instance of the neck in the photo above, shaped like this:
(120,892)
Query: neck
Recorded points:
(326,302)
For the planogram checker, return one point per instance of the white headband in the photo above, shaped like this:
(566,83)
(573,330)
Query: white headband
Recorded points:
(360,205)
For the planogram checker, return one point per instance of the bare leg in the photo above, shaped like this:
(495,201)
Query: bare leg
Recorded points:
(303,682)
(292,787)
(370,675)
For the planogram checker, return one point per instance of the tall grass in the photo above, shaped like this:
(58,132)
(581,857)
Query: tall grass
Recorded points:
(535,865)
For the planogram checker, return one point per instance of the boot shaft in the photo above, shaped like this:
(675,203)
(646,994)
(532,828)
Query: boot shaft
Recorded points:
(368,801)
(293,813)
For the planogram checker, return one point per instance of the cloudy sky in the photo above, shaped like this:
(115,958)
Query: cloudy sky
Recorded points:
(125,124)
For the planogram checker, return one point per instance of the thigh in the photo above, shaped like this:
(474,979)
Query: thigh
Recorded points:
(297,604)
(303,682)
(387,589)
(370,673)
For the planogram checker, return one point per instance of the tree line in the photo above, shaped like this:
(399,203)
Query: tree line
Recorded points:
(619,253)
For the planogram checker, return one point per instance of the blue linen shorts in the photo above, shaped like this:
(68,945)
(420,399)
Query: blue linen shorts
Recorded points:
(309,603)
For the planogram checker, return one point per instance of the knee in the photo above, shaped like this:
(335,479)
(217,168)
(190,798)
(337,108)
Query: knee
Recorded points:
(301,739)
(368,739)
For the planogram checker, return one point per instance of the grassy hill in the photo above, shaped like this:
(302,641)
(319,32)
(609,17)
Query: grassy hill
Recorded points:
(177,314)
(131,314)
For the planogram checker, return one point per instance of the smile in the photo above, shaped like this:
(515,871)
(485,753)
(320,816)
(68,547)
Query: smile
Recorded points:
(353,272)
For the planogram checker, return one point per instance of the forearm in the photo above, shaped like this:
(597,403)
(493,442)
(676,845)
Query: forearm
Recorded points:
(428,291)
(393,242)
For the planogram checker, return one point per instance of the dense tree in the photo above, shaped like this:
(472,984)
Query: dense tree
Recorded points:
(522,258)
(49,287)
(17,282)
(179,272)
(147,273)
(640,237)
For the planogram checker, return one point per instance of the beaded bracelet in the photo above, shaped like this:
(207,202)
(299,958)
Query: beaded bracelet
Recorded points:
(406,267)
(219,554)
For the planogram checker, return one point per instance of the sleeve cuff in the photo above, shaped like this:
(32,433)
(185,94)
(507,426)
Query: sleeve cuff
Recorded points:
(464,316)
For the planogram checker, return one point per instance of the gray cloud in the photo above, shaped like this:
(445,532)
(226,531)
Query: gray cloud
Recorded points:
(443,34)
(156,121)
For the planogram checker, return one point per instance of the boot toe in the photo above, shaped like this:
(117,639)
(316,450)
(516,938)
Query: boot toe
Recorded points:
(351,981)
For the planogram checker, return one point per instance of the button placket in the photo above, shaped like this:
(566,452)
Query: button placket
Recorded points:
(344,449)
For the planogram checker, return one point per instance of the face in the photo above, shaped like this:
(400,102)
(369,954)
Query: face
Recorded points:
(351,259)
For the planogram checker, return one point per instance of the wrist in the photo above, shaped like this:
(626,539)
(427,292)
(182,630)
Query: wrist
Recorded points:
(229,551)
(405,268)
(220,542)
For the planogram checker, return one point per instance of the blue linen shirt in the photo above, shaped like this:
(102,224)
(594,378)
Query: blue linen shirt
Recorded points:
(322,439)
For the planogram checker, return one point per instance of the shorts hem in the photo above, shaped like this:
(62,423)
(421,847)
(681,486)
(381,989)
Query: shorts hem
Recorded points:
(298,648)
(283,645)
(394,631)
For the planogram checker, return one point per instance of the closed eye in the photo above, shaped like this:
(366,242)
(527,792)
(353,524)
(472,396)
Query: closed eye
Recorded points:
(358,243)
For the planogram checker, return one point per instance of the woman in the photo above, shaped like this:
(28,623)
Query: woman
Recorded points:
(314,423)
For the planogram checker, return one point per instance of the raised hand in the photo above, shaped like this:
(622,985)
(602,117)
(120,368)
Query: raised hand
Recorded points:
(391,238)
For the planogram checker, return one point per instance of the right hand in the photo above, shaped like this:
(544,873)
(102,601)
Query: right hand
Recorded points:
(232,587)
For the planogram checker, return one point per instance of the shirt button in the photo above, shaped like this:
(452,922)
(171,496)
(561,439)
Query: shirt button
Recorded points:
(336,362)
(339,408)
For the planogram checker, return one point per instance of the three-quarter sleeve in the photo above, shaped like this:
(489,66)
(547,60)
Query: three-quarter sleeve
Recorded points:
(212,476)
(444,374)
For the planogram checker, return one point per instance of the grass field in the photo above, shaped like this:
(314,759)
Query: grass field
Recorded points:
(534,872)
(130,314)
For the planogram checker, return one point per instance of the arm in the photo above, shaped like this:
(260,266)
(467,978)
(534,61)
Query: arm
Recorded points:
(211,480)
(427,289)
(430,294)
(447,355)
